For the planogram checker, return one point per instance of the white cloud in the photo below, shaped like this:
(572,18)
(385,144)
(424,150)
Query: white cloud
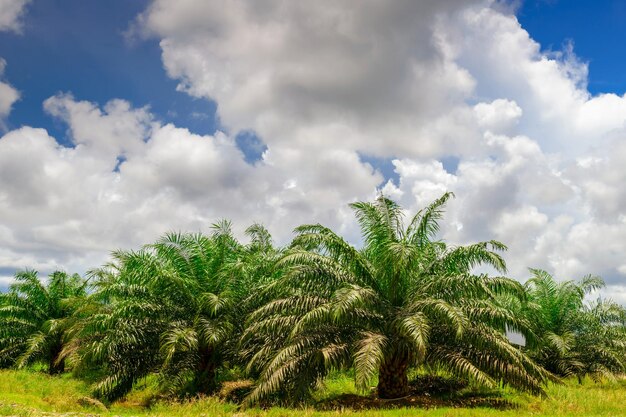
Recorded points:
(8,95)
(5,281)
(541,162)
(10,13)
(318,74)
(498,116)
(127,179)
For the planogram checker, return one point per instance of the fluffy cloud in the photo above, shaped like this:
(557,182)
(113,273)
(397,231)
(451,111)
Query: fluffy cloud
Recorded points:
(541,160)
(127,178)
(500,115)
(537,161)
(322,74)
(10,13)
(8,95)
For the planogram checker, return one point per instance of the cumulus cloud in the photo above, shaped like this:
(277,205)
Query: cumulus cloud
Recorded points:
(540,160)
(319,74)
(8,95)
(127,178)
(11,12)
(421,81)
(498,116)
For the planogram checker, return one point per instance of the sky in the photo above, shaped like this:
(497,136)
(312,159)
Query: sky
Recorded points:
(122,120)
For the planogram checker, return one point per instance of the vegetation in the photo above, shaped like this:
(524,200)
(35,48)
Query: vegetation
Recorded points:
(174,308)
(191,311)
(573,338)
(35,318)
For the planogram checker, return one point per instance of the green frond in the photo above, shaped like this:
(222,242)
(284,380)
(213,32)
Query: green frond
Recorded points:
(424,226)
(177,339)
(352,297)
(464,258)
(35,346)
(260,237)
(416,329)
(460,366)
(371,349)
(216,304)
(590,283)
(443,311)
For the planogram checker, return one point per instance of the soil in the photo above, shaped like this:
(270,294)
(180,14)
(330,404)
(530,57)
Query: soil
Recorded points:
(426,392)
(358,402)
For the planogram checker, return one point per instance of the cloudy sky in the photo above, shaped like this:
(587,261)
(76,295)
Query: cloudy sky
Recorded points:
(122,120)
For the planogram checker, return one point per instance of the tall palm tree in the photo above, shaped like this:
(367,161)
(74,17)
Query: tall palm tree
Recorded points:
(35,317)
(403,300)
(574,338)
(175,308)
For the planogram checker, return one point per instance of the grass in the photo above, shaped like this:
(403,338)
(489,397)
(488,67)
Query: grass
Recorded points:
(33,394)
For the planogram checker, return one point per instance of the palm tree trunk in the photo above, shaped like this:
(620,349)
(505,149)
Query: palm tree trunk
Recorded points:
(392,378)
(56,366)
(204,380)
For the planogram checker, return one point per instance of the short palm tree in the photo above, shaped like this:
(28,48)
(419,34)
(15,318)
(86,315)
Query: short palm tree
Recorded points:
(601,340)
(175,308)
(35,317)
(117,328)
(403,300)
(574,338)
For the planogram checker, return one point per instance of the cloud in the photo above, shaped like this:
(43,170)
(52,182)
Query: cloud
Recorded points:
(500,115)
(8,96)
(74,200)
(11,12)
(5,281)
(127,178)
(421,82)
(541,161)
(317,75)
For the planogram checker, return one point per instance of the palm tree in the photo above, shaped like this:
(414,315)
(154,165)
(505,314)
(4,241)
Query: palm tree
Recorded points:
(403,300)
(34,318)
(117,328)
(203,338)
(175,308)
(573,338)
(601,340)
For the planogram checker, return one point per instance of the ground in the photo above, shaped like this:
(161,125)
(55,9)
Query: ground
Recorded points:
(29,393)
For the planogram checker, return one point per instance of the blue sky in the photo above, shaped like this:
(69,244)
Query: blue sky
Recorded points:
(596,28)
(285,113)
(82,47)
(79,46)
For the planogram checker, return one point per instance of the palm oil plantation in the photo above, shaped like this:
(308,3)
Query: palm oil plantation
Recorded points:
(203,324)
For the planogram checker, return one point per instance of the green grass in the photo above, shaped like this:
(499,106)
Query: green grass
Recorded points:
(28,393)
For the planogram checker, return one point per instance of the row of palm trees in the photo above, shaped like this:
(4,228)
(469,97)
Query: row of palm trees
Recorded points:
(191,306)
